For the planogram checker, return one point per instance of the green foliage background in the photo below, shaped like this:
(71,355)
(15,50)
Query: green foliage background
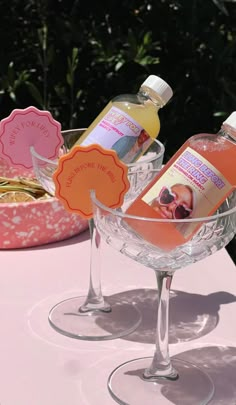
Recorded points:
(71,57)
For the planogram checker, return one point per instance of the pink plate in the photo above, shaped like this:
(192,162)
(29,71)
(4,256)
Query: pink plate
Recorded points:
(35,223)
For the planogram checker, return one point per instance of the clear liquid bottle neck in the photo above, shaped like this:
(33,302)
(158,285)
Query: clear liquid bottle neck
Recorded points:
(150,96)
(229,132)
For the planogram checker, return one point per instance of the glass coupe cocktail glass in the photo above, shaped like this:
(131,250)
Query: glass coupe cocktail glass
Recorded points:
(151,380)
(77,316)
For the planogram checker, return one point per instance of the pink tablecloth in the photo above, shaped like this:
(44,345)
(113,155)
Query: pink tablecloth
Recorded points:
(38,366)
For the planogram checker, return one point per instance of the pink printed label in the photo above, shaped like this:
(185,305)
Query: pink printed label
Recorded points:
(25,128)
(120,132)
(191,188)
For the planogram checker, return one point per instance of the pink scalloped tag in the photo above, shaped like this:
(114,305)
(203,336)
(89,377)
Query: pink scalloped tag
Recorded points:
(25,128)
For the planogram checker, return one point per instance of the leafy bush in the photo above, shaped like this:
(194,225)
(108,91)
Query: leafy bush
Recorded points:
(72,57)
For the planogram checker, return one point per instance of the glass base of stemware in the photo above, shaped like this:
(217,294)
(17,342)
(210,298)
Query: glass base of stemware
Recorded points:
(127,386)
(122,320)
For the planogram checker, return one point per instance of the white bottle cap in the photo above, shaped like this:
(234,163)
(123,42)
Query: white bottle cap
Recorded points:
(159,86)
(231,120)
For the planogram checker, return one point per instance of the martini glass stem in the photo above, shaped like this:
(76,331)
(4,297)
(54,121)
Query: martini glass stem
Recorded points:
(161,366)
(95,300)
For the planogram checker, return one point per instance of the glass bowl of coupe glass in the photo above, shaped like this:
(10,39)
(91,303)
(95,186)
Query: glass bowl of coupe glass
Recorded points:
(151,380)
(77,317)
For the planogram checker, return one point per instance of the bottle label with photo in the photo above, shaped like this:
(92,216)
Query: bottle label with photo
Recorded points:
(191,187)
(120,132)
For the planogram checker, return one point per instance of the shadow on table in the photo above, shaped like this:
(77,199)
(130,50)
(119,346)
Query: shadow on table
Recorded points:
(218,362)
(191,315)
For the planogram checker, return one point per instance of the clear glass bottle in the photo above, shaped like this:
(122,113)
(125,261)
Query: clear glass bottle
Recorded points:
(193,184)
(129,123)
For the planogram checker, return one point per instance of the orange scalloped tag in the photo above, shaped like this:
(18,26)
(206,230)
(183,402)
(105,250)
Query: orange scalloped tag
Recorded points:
(87,168)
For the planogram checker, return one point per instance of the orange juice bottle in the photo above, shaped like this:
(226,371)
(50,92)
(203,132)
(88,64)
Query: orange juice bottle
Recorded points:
(193,184)
(130,123)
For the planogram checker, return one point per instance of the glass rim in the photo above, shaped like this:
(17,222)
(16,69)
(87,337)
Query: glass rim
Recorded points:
(130,165)
(54,162)
(67,131)
(116,213)
(40,157)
